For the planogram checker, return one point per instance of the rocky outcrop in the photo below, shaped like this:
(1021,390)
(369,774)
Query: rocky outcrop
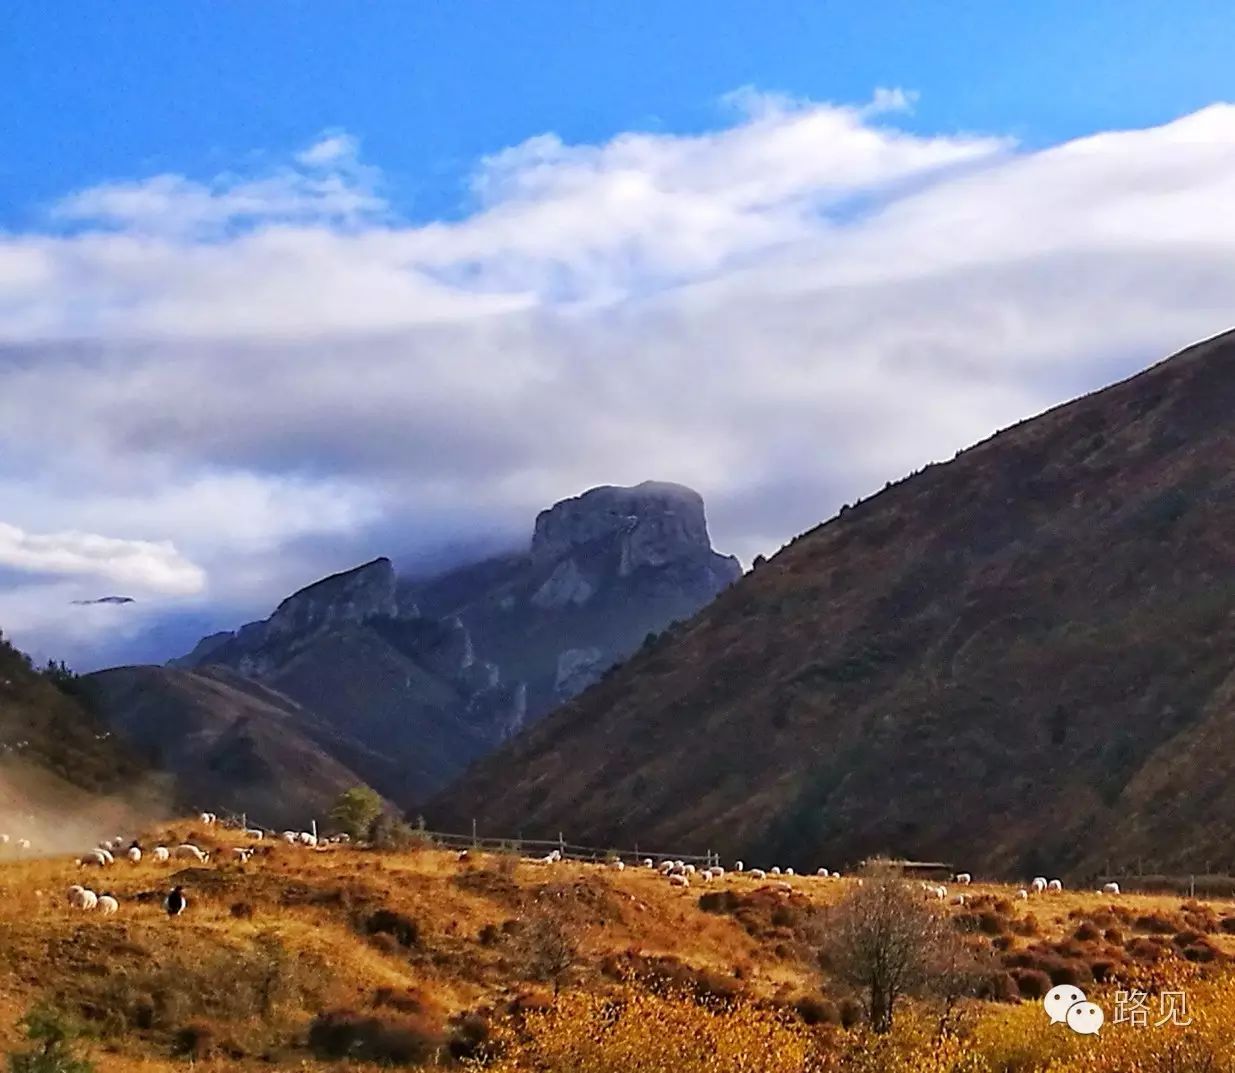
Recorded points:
(434,672)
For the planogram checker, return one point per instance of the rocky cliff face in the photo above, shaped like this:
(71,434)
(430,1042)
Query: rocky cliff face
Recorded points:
(431,673)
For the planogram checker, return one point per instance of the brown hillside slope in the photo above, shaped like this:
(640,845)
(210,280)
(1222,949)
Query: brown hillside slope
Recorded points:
(1019,660)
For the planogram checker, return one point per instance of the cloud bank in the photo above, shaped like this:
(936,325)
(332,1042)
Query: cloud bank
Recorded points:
(279,373)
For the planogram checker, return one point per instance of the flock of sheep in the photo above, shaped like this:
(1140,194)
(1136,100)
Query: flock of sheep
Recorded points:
(104,855)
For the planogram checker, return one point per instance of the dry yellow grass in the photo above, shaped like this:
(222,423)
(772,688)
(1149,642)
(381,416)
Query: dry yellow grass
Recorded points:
(310,908)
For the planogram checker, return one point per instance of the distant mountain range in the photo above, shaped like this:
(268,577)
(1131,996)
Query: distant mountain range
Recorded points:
(1021,660)
(400,683)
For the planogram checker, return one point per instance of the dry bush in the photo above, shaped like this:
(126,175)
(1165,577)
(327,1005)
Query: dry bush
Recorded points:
(397,1039)
(1087,932)
(544,948)
(262,983)
(400,927)
(1158,923)
(1032,983)
(668,975)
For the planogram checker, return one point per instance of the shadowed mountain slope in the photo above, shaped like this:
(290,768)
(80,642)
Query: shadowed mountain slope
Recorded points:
(1023,659)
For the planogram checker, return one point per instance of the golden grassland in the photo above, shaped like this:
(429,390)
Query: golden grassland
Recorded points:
(344,958)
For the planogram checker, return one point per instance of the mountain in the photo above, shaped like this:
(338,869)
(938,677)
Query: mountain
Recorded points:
(1022,660)
(229,743)
(424,675)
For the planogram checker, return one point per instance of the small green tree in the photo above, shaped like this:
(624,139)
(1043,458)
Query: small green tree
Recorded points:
(356,809)
(53,1035)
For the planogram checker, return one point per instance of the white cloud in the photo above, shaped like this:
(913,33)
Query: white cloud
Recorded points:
(141,564)
(275,372)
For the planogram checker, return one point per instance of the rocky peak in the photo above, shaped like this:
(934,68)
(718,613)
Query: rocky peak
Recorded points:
(364,592)
(656,523)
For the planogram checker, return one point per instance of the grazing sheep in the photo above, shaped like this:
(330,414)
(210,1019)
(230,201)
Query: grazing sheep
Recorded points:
(1022,895)
(83,899)
(958,900)
(107,905)
(775,870)
(717,870)
(617,866)
(1054,886)
(254,833)
(689,869)
(187,850)
(23,845)
(134,855)
(208,818)
(1038,885)
(161,854)
(4,840)
(964,878)
(789,871)
(739,866)
(647,862)
(242,853)
(679,880)
(705,877)
(96,857)
(1110,888)
(758,873)
(822,872)
(462,856)
(940,892)
(290,837)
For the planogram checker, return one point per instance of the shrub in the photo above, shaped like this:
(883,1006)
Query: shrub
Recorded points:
(471,1039)
(405,1040)
(54,1036)
(193,1041)
(719,901)
(242,910)
(817,1011)
(1032,983)
(403,929)
(1087,933)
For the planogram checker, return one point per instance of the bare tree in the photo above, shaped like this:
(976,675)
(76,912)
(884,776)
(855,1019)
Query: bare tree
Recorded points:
(887,940)
(545,947)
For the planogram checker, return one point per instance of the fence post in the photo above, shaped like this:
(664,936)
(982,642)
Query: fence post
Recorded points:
(313,825)
(473,833)
(1192,886)
(561,844)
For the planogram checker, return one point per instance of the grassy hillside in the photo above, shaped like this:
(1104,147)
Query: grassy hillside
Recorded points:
(416,957)
(1020,658)
(58,762)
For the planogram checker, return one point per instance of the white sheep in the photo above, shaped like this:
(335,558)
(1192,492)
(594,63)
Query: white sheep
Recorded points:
(964,878)
(107,904)
(775,870)
(81,898)
(705,877)
(758,873)
(821,872)
(1110,888)
(648,862)
(788,871)
(617,866)
(959,900)
(242,853)
(134,854)
(940,892)
(23,845)
(679,880)
(689,868)
(290,837)
(4,840)
(254,833)
(1054,886)
(95,857)
(208,818)
(1022,895)
(161,854)
(739,866)
(187,850)
(717,871)
(1038,885)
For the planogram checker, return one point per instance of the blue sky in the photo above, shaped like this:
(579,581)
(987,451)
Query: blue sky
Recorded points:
(100,91)
(287,286)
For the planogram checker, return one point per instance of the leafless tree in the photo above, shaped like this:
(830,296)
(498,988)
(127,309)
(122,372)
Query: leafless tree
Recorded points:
(545,947)
(887,940)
